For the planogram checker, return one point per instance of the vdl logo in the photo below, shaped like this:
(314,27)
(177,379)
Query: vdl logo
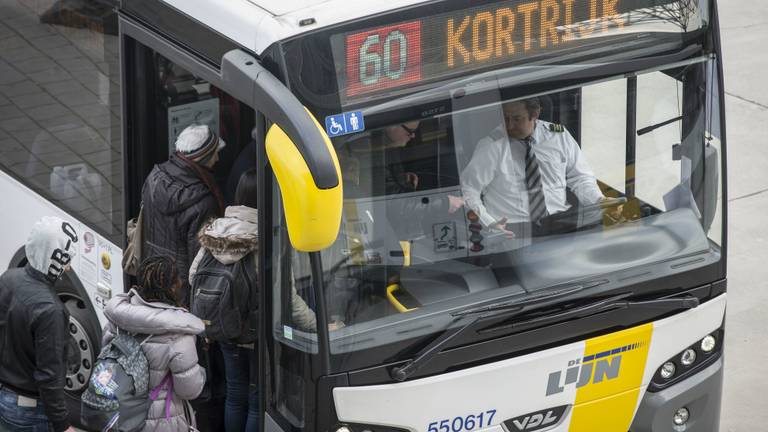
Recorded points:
(537,420)
(606,366)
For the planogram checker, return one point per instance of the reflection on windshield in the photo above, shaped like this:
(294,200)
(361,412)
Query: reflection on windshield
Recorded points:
(509,198)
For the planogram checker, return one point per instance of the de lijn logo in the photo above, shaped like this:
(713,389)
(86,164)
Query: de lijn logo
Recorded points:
(595,368)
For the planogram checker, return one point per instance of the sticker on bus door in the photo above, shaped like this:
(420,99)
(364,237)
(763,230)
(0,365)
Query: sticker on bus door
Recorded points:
(345,123)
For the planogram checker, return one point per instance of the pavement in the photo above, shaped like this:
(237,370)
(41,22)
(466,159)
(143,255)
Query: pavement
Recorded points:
(744,25)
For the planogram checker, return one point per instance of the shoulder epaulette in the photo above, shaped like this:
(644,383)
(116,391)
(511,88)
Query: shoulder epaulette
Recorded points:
(556,127)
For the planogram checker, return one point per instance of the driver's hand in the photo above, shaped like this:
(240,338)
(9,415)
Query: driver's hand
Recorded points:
(412,180)
(613,215)
(335,325)
(454,203)
(501,225)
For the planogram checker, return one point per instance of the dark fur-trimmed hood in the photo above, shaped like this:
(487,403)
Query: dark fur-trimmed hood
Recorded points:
(232,237)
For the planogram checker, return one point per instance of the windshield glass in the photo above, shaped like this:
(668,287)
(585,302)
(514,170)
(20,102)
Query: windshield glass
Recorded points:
(498,198)
(587,155)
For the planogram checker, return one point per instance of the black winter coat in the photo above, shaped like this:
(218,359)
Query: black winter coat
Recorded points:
(33,341)
(177,203)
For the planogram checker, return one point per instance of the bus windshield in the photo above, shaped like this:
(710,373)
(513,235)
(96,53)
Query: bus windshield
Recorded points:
(489,188)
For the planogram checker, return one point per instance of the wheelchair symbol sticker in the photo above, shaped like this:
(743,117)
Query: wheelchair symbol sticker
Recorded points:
(345,123)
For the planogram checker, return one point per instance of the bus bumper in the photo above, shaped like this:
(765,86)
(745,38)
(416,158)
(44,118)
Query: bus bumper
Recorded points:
(700,393)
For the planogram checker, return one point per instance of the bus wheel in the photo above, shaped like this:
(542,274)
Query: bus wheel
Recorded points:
(82,352)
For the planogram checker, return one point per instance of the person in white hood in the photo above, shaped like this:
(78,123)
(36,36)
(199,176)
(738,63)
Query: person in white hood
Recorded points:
(33,332)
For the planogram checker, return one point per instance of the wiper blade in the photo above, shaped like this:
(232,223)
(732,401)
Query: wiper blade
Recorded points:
(652,128)
(531,300)
(401,373)
(467,318)
(605,305)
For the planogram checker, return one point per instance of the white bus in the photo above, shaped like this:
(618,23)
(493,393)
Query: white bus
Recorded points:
(361,118)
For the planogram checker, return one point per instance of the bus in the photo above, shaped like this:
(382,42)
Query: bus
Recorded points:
(363,120)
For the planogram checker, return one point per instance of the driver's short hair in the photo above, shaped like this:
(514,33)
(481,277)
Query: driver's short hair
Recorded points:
(532,105)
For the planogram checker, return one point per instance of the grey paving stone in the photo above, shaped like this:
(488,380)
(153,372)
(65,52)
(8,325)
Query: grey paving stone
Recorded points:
(76,135)
(17,124)
(10,9)
(92,79)
(77,204)
(69,121)
(68,86)
(10,144)
(20,88)
(96,217)
(47,42)
(9,75)
(13,42)
(78,98)
(39,142)
(99,122)
(50,75)
(65,157)
(11,158)
(100,157)
(37,30)
(34,65)
(63,53)
(91,110)
(30,169)
(47,112)
(5,31)
(10,112)
(32,100)
(78,64)
(23,19)
(19,54)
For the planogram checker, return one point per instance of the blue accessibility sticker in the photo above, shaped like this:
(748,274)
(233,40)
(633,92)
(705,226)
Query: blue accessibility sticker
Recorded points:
(345,123)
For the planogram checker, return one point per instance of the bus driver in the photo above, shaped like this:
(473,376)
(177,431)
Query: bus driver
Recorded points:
(521,176)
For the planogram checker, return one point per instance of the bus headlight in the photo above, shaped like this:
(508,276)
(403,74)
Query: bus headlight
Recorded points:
(667,370)
(708,343)
(688,361)
(688,357)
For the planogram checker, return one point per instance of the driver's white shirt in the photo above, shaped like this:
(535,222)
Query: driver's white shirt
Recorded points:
(493,183)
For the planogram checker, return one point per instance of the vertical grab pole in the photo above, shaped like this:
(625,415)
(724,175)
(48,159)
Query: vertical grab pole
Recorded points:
(324,345)
(631,150)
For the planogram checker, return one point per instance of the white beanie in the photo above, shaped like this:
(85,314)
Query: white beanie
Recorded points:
(199,142)
(51,246)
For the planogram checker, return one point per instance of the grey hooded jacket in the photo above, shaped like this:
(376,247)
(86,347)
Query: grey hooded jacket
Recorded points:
(170,349)
(232,238)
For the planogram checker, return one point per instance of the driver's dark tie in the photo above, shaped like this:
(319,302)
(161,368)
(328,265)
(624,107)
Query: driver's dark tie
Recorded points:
(537,208)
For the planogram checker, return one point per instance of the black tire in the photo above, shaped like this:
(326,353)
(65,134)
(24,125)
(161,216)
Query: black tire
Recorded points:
(83,349)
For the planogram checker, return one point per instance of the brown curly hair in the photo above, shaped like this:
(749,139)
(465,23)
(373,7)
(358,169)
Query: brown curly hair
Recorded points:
(159,280)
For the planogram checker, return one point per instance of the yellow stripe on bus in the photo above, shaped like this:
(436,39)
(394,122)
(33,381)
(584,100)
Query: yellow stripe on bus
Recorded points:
(607,402)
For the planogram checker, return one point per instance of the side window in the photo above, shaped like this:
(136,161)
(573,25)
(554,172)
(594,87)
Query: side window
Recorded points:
(603,130)
(659,99)
(60,106)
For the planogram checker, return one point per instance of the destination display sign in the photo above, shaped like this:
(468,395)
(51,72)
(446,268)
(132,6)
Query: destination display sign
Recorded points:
(410,52)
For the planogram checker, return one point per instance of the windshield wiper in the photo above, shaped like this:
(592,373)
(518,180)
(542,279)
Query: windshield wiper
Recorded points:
(611,303)
(652,128)
(531,300)
(467,318)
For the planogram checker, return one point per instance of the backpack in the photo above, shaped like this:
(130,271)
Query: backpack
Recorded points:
(117,396)
(224,298)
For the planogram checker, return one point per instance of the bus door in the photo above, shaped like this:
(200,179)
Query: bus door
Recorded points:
(167,88)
